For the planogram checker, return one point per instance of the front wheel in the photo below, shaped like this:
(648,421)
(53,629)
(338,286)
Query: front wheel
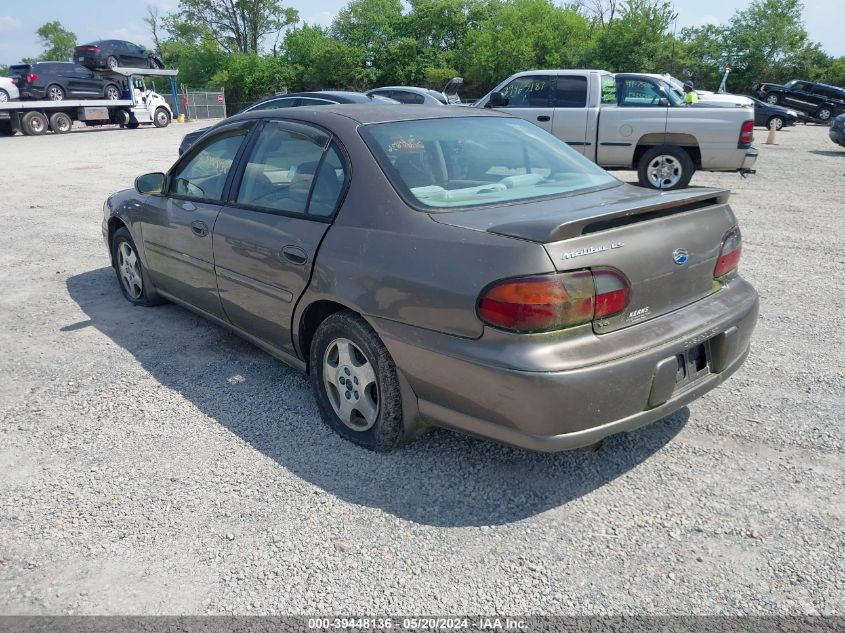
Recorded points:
(161,118)
(665,168)
(131,274)
(4,96)
(355,383)
(824,113)
(112,92)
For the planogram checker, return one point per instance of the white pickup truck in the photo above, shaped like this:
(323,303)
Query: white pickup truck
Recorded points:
(631,121)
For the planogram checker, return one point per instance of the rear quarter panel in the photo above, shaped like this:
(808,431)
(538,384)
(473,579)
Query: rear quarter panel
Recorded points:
(716,130)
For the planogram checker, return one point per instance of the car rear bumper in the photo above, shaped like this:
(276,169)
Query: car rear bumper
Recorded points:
(560,410)
(750,160)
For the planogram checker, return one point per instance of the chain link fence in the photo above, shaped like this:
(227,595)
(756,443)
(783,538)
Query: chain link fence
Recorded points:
(195,104)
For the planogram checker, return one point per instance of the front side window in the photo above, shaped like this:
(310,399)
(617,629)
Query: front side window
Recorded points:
(283,170)
(203,176)
(478,161)
(528,92)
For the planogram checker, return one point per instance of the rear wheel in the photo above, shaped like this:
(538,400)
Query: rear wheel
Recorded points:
(112,92)
(60,123)
(161,118)
(774,99)
(665,167)
(111,62)
(777,121)
(131,274)
(824,113)
(355,383)
(55,92)
(34,124)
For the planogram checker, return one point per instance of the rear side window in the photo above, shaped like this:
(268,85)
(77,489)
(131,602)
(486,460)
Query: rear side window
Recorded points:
(570,92)
(289,102)
(608,89)
(203,176)
(286,172)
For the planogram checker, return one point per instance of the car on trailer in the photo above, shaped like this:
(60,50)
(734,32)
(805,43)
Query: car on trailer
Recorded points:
(132,109)
(8,90)
(114,53)
(57,81)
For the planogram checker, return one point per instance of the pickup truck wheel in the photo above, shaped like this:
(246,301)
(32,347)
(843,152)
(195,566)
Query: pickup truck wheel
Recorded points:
(824,113)
(161,118)
(774,99)
(34,124)
(776,120)
(60,123)
(665,167)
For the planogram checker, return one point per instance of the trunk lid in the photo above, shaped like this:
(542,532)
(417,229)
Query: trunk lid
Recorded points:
(665,244)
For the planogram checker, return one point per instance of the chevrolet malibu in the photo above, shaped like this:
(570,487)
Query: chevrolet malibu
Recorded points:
(453,267)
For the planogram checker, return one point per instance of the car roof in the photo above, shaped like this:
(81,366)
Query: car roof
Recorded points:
(366,114)
(343,96)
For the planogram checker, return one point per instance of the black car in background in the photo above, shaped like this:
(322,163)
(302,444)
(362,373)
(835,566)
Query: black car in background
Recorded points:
(820,101)
(765,114)
(57,81)
(114,53)
(294,100)
(837,130)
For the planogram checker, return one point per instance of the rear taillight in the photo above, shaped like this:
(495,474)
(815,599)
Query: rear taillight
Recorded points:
(14,81)
(729,254)
(553,302)
(746,134)
(31,77)
(611,292)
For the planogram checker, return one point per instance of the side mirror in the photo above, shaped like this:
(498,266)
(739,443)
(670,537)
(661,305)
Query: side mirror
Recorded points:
(150,183)
(497,100)
(664,102)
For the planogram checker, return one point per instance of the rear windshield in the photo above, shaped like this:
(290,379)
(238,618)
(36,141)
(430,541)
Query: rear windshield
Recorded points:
(478,161)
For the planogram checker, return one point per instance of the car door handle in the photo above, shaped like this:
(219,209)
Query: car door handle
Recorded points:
(544,118)
(200,229)
(294,254)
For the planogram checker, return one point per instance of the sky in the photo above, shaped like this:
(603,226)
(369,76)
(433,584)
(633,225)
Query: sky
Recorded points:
(123,19)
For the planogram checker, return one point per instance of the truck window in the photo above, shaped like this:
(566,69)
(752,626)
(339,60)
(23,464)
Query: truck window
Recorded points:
(532,91)
(640,93)
(570,92)
(608,89)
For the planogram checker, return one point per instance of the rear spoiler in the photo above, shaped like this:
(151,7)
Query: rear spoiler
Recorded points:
(616,214)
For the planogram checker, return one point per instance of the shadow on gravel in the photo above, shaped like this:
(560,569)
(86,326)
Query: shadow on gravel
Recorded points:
(824,152)
(442,479)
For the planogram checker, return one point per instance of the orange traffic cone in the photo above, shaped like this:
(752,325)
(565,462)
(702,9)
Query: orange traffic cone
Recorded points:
(770,139)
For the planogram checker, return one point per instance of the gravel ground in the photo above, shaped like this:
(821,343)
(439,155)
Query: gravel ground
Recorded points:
(140,476)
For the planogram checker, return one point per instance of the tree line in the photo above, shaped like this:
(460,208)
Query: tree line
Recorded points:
(258,47)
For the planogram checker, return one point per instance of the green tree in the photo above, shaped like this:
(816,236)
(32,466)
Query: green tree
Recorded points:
(637,39)
(239,26)
(320,61)
(520,35)
(248,78)
(58,43)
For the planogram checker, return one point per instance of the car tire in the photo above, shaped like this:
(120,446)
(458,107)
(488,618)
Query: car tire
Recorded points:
(665,167)
(825,113)
(773,99)
(356,384)
(4,96)
(111,92)
(111,62)
(778,122)
(132,277)
(34,124)
(60,123)
(55,92)
(161,117)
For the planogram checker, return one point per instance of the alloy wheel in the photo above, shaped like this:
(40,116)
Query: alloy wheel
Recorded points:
(130,270)
(664,172)
(55,93)
(350,383)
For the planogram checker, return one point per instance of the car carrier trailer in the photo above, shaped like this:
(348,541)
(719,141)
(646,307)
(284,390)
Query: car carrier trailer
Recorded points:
(34,118)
